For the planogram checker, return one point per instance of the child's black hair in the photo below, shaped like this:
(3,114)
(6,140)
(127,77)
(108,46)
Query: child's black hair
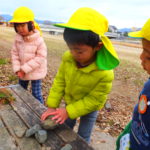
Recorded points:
(30,26)
(72,36)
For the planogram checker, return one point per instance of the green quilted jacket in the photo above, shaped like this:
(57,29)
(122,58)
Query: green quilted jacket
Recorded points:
(83,89)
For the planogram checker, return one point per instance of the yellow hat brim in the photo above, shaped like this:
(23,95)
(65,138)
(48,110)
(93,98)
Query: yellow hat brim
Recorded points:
(137,34)
(72,26)
(19,20)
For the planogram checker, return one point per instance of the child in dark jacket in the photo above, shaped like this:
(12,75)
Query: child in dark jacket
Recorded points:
(136,135)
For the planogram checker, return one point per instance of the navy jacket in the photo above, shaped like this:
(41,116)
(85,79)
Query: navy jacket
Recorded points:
(140,126)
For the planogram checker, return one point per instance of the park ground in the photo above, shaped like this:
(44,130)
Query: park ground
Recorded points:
(129,79)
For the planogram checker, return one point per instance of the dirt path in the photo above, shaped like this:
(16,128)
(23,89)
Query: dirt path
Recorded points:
(102,141)
(128,53)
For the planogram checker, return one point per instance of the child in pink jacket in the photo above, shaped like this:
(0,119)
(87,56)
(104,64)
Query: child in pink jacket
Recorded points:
(29,52)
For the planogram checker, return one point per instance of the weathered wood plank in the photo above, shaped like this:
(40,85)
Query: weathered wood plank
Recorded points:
(54,141)
(30,118)
(72,138)
(25,113)
(9,86)
(6,141)
(17,129)
(79,144)
(29,100)
(64,132)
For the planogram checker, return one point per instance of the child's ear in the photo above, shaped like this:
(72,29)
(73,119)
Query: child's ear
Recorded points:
(99,46)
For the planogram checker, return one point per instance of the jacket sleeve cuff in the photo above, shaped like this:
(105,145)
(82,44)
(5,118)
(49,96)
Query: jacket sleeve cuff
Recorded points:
(16,70)
(71,111)
(25,68)
(52,104)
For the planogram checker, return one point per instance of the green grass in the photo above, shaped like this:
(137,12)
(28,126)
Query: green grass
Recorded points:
(55,47)
(131,73)
(3,61)
(111,122)
(138,82)
(13,78)
(2,95)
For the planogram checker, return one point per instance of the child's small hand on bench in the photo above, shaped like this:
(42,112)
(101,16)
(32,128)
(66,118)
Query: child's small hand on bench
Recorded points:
(60,115)
(47,113)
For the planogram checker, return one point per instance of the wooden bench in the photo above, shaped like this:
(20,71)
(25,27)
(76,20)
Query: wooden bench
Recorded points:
(22,114)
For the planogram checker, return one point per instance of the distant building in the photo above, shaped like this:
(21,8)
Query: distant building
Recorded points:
(51,29)
(112,29)
(59,31)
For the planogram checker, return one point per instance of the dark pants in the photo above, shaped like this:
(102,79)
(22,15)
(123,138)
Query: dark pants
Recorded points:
(36,88)
(86,125)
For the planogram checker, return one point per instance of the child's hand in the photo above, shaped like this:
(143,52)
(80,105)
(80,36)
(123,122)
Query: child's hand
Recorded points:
(20,74)
(60,115)
(47,113)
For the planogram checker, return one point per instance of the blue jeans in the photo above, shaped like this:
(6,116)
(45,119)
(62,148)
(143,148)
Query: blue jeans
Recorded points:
(86,125)
(36,88)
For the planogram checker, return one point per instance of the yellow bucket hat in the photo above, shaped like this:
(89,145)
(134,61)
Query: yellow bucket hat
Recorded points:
(143,33)
(89,19)
(22,15)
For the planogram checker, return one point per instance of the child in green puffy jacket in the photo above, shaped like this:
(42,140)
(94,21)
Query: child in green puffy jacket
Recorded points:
(85,76)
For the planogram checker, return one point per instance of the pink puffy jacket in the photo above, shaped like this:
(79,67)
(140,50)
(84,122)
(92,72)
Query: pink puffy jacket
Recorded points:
(30,56)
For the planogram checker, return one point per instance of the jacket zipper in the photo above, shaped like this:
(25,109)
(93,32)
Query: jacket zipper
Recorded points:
(135,138)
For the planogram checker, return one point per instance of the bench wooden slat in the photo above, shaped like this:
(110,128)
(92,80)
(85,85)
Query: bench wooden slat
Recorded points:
(72,138)
(64,132)
(17,129)
(6,142)
(24,112)
(80,144)
(29,100)
(31,118)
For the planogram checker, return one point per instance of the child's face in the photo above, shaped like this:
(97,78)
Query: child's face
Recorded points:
(145,55)
(82,53)
(22,29)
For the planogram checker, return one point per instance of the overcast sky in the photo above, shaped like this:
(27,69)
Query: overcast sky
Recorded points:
(121,13)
